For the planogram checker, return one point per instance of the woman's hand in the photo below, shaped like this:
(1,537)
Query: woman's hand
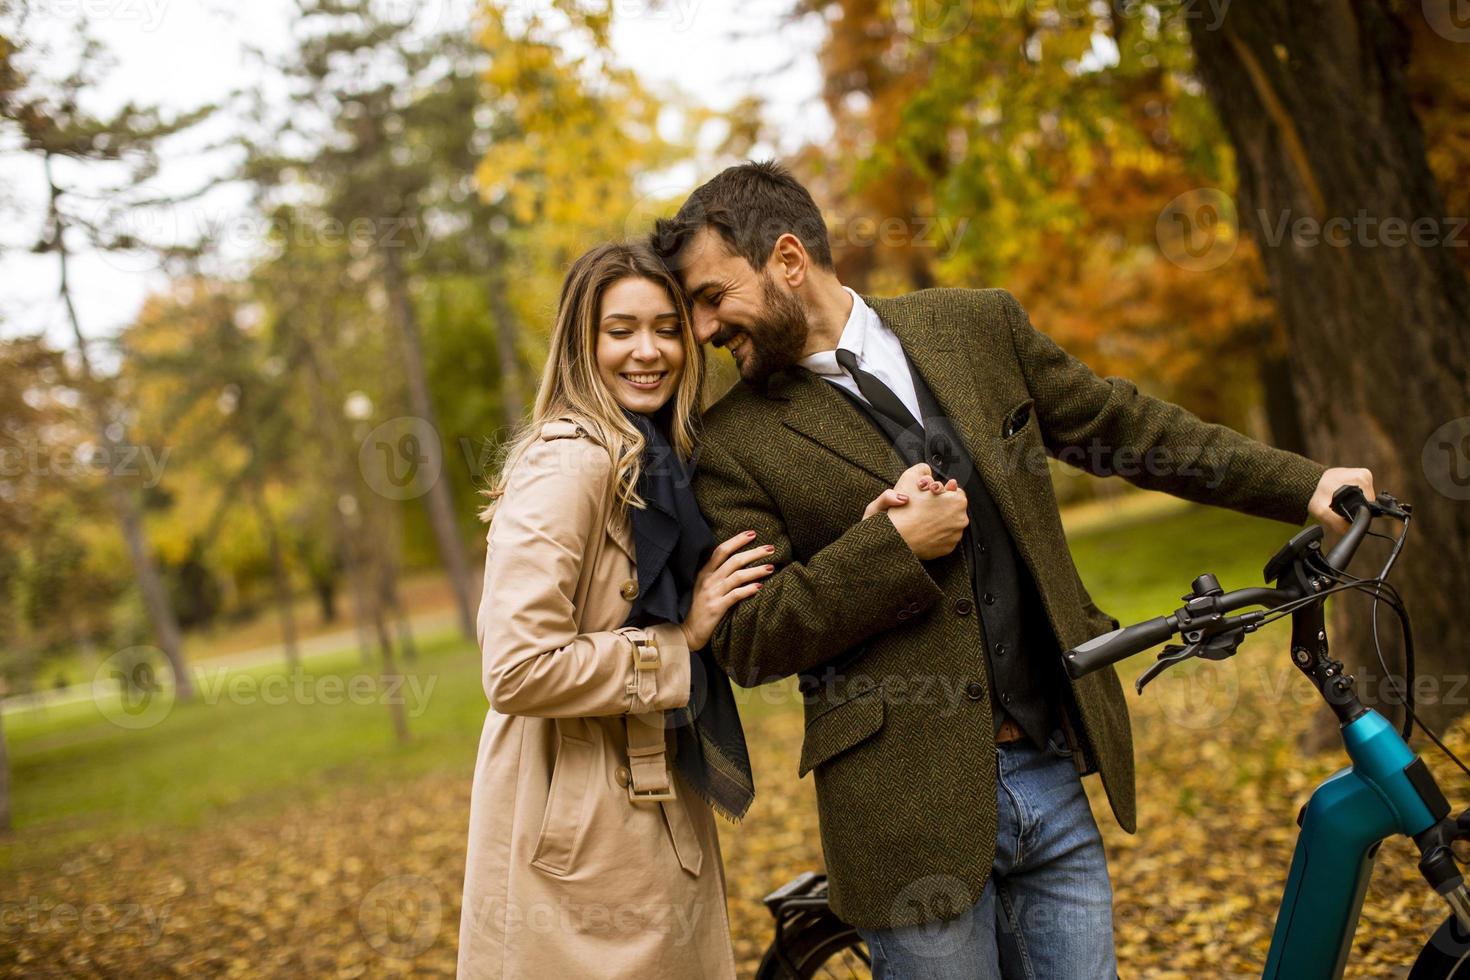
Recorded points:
(723,581)
(919,476)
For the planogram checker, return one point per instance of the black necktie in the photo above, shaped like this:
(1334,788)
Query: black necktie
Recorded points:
(876,392)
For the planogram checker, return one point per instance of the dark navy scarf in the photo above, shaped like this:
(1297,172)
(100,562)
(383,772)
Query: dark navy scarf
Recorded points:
(672,542)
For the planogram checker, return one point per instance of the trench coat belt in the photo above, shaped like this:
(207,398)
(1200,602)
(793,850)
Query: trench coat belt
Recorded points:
(650,781)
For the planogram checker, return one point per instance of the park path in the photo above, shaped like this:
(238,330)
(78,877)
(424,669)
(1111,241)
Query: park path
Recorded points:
(312,647)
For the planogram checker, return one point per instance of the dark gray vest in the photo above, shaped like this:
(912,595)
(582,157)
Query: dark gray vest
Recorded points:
(1014,631)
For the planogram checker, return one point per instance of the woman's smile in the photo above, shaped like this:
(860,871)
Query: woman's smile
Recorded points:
(644,380)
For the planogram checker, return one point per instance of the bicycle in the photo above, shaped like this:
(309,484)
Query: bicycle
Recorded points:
(1386,791)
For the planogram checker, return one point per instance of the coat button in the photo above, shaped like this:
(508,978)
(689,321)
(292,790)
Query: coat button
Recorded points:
(915,608)
(622,775)
(904,613)
(975,690)
(963,606)
(630,589)
(1005,698)
(989,599)
(1000,649)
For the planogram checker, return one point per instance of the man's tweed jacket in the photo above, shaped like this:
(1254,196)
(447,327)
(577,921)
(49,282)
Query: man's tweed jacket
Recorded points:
(898,724)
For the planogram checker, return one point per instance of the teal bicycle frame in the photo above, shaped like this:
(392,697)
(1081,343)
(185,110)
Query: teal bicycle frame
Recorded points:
(1343,824)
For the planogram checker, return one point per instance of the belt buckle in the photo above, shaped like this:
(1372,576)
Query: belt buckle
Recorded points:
(651,795)
(646,655)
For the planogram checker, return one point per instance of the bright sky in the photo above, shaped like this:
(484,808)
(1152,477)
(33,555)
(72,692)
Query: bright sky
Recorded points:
(179,54)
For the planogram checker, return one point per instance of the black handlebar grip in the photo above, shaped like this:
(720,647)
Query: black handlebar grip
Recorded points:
(1346,500)
(1120,644)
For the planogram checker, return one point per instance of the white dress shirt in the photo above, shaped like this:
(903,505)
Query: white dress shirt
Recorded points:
(878,352)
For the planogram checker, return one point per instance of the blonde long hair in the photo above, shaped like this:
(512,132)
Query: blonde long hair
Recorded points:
(570,385)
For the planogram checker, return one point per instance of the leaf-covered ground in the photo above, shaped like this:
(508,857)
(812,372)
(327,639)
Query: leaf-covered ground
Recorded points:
(367,884)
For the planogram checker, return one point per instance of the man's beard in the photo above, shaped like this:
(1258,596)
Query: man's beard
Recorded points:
(777,336)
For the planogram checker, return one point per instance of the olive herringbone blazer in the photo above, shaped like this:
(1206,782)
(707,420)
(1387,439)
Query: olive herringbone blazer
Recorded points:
(898,721)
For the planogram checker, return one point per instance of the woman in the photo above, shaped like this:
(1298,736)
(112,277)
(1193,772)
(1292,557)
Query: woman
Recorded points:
(592,848)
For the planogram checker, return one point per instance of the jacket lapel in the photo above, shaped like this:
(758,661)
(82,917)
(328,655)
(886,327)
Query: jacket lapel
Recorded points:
(818,412)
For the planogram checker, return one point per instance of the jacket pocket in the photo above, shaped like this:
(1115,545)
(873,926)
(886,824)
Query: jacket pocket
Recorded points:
(841,727)
(1016,419)
(562,825)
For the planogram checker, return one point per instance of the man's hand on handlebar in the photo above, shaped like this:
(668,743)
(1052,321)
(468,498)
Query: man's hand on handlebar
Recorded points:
(1320,506)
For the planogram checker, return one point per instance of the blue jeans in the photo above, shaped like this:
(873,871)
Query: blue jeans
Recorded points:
(1047,911)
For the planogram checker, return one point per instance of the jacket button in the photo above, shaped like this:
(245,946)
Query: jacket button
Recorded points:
(1005,698)
(630,589)
(904,613)
(989,599)
(622,775)
(1000,649)
(975,690)
(963,606)
(915,608)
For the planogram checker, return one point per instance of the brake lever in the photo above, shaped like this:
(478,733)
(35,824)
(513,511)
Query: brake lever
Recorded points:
(1221,646)
(1173,653)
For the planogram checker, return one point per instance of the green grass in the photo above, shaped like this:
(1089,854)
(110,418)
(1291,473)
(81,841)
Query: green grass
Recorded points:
(89,779)
(77,777)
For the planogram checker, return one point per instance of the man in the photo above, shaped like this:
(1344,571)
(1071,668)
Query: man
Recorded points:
(946,742)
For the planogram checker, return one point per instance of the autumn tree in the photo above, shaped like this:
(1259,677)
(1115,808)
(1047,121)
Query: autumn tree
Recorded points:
(1336,187)
(119,153)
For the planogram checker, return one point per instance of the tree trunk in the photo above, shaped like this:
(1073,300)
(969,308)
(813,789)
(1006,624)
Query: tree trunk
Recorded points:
(130,519)
(1312,95)
(5,821)
(1283,417)
(507,333)
(437,501)
(280,579)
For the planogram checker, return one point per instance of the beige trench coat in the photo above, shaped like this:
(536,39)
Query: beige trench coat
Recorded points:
(566,875)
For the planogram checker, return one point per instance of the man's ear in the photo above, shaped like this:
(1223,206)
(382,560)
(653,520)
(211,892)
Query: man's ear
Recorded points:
(789,261)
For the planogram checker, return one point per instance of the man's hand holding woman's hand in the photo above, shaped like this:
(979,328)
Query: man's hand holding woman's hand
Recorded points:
(929,515)
(723,581)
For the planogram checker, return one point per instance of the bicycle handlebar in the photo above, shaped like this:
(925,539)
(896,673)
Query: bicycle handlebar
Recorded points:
(1120,644)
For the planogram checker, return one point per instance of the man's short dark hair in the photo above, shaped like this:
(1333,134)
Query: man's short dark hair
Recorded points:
(749,206)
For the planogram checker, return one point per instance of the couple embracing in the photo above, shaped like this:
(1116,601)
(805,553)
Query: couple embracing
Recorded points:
(869,510)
